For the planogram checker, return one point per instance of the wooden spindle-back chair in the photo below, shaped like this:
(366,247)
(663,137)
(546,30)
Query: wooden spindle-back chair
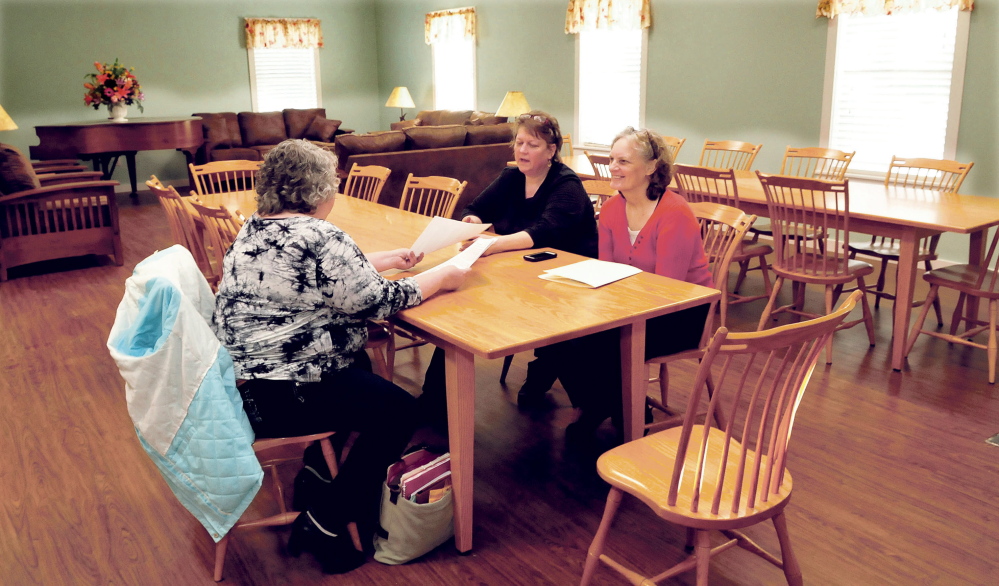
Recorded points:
(730,475)
(728,154)
(600,164)
(936,174)
(180,217)
(673,145)
(800,207)
(816,163)
(431,196)
(366,182)
(218,229)
(224,176)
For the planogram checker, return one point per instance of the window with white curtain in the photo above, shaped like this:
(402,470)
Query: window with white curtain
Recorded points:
(454,74)
(893,86)
(610,83)
(284,78)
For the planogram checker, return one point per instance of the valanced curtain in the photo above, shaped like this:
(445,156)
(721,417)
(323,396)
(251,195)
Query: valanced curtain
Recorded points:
(283,33)
(832,8)
(588,15)
(449,25)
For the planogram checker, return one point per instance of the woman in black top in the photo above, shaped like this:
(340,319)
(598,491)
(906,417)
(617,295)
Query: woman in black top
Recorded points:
(540,203)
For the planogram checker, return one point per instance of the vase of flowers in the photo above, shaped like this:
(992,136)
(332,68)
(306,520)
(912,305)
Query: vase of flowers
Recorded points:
(113,86)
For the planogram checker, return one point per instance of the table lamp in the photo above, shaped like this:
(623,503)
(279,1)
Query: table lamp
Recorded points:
(5,121)
(514,104)
(400,98)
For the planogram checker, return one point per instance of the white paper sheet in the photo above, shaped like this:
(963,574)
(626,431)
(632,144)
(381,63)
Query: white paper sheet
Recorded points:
(441,232)
(590,273)
(466,258)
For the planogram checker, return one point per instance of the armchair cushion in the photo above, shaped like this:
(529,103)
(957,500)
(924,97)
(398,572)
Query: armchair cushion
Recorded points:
(435,137)
(489,134)
(16,173)
(321,129)
(262,128)
(297,122)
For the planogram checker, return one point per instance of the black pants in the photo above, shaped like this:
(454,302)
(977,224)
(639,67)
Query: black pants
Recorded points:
(353,399)
(590,367)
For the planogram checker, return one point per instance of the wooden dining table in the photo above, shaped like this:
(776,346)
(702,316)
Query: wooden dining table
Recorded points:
(504,308)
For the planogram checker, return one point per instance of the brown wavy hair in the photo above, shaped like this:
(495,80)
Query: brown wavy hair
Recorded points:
(541,125)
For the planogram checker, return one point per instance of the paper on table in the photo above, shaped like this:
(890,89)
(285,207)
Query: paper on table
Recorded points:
(466,258)
(441,232)
(590,273)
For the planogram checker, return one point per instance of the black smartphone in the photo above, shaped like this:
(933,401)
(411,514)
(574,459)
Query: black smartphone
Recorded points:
(539,256)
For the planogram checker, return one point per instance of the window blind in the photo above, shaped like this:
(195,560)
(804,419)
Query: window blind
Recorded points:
(454,74)
(892,86)
(610,84)
(284,78)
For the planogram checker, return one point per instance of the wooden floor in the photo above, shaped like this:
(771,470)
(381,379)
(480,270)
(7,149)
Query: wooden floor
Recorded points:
(894,483)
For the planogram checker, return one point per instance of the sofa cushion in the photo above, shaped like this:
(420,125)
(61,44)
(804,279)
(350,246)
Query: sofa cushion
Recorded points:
(16,173)
(485,118)
(236,154)
(215,129)
(359,144)
(321,129)
(262,128)
(435,137)
(442,117)
(489,133)
(296,122)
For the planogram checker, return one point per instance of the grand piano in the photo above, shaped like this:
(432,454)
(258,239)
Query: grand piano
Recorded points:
(103,141)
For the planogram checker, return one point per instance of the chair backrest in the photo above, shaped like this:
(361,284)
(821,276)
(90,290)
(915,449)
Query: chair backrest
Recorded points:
(942,174)
(723,228)
(600,164)
(696,184)
(816,163)
(673,145)
(728,154)
(599,191)
(431,196)
(220,229)
(366,182)
(758,380)
(567,144)
(224,176)
(180,217)
(810,219)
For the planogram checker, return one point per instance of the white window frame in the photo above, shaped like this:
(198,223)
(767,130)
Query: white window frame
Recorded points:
(473,74)
(254,99)
(643,86)
(956,93)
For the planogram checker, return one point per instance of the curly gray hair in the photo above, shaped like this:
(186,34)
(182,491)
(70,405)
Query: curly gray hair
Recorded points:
(297,176)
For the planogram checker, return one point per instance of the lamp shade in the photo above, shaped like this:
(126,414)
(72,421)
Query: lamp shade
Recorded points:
(5,122)
(400,98)
(514,104)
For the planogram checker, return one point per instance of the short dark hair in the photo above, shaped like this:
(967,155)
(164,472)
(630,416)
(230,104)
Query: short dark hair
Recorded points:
(544,126)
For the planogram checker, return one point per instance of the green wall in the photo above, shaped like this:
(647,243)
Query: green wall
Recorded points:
(720,69)
(189,56)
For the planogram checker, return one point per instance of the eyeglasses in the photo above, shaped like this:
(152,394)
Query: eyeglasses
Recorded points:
(535,117)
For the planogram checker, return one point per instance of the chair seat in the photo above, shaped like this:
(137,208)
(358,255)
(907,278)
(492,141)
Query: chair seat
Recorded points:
(750,249)
(812,270)
(964,278)
(650,482)
(886,250)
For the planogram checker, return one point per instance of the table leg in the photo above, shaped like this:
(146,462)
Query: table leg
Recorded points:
(130,161)
(903,297)
(634,380)
(460,373)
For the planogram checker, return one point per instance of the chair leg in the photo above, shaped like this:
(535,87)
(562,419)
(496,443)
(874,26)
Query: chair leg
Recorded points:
(918,326)
(880,286)
(955,320)
(992,341)
(703,556)
(792,571)
(936,302)
(743,268)
(597,547)
(766,274)
(865,307)
(507,361)
(829,309)
(220,549)
(770,304)
(664,383)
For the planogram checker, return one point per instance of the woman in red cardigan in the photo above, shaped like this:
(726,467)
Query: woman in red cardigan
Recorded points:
(650,227)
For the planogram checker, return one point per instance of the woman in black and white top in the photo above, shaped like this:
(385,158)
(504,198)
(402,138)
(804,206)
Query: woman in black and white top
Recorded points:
(291,310)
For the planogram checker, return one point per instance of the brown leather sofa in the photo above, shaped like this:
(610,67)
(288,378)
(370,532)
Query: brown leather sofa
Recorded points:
(448,117)
(249,135)
(473,153)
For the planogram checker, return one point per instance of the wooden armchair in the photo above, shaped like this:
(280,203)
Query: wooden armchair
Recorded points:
(218,231)
(180,217)
(366,182)
(42,218)
(727,476)
(728,154)
(673,145)
(431,196)
(224,176)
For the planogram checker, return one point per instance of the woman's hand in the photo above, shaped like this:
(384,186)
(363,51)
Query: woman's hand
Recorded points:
(401,258)
(470,219)
(446,278)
